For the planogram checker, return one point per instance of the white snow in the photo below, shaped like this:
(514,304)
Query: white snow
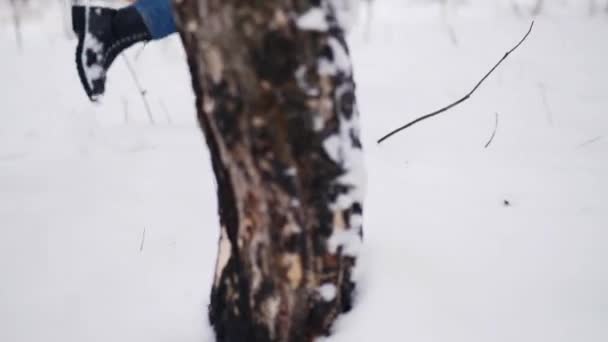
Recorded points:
(313,20)
(349,240)
(328,292)
(332,147)
(340,62)
(443,259)
(291,172)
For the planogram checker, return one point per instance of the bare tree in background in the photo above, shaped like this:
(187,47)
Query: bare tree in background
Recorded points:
(538,8)
(276,101)
(66,17)
(16,8)
(595,7)
(592,7)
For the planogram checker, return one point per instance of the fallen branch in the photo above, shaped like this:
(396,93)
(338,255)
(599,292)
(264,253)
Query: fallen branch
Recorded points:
(494,132)
(466,97)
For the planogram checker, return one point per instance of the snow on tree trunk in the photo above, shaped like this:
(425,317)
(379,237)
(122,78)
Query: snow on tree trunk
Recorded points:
(276,101)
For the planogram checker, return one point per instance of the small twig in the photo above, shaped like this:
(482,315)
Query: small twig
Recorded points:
(143,240)
(590,141)
(466,97)
(141,90)
(17,24)
(451,33)
(494,132)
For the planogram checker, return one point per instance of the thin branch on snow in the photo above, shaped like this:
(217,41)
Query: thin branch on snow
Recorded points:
(141,90)
(466,97)
(143,240)
(451,33)
(494,132)
(590,141)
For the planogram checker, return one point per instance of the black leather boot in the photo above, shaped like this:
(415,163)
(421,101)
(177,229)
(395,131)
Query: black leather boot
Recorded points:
(103,33)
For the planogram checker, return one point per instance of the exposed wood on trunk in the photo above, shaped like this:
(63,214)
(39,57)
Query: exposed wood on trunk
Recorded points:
(276,102)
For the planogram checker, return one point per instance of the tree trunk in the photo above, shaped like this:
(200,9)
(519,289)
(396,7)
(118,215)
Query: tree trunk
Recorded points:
(276,101)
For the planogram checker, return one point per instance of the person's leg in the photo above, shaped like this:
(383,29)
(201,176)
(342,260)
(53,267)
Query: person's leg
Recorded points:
(103,33)
(158,16)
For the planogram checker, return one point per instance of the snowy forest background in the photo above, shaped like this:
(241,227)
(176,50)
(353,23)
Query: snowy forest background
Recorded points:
(108,222)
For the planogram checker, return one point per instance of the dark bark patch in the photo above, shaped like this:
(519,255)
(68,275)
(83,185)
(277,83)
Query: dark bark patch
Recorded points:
(275,60)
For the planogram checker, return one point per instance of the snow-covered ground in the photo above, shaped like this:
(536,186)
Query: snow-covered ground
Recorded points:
(108,223)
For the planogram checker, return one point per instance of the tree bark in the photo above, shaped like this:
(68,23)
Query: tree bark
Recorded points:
(276,102)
